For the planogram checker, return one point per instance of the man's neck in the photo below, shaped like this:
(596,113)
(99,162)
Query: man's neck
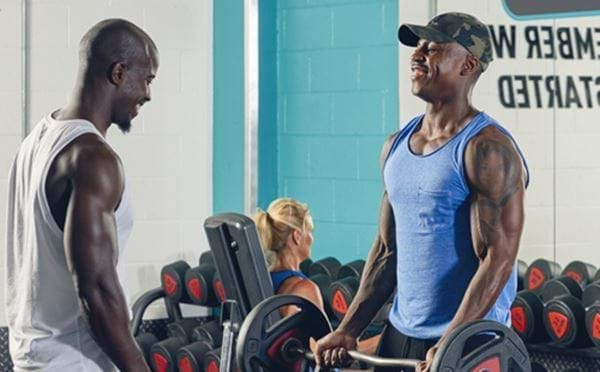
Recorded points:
(88,105)
(447,117)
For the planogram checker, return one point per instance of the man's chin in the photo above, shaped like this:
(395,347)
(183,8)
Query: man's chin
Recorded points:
(124,127)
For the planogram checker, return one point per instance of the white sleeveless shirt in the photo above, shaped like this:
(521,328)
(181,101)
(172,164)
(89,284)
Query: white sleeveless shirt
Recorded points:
(47,330)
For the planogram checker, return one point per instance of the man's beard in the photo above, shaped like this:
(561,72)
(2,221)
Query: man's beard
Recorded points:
(125,127)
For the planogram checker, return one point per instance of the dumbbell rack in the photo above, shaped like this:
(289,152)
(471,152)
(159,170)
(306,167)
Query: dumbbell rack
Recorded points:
(562,359)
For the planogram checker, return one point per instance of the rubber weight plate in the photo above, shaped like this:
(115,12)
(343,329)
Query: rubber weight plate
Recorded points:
(259,344)
(341,294)
(591,295)
(497,349)
(190,358)
(212,360)
(564,318)
(354,268)
(219,288)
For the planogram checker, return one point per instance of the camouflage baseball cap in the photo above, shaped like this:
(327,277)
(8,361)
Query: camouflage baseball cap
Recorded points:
(462,28)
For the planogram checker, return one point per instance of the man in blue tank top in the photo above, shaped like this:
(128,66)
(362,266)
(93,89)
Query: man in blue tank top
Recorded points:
(452,212)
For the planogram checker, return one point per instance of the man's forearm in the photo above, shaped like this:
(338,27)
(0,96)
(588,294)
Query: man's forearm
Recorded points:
(483,290)
(376,286)
(108,316)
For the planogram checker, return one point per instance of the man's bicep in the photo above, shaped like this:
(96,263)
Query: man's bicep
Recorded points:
(495,173)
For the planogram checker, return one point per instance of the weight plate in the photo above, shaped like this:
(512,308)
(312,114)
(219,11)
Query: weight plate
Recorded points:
(497,348)
(259,344)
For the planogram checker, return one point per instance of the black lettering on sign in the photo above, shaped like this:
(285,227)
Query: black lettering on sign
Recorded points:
(588,92)
(536,86)
(598,93)
(532,37)
(505,87)
(565,47)
(502,40)
(571,95)
(522,91)
(549,41)
(585,44)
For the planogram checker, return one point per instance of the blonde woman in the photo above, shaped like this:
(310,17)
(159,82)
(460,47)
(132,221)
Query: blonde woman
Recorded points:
(285,231)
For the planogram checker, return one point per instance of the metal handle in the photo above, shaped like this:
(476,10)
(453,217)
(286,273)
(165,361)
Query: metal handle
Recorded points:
(368,359)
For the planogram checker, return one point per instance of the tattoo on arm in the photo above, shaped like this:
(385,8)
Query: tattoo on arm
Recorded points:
(496,177)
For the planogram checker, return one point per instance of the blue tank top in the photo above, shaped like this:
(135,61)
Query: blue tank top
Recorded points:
(430,198)
(278,277)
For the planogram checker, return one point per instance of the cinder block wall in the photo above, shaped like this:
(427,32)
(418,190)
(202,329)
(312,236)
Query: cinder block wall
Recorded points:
(337,101)
(168,154)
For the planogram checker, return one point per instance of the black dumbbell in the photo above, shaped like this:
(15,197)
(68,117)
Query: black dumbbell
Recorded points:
(207,258)
(190,358)
(305,266)
(591,302)
(328,266)
(324,282)
(539,272)
(564,313)
(582,272)
(164,353)
(354,268)
(211,333)
(341,294)
(219,288)
(212,360)
(521,274)
(145,341)
(526,313)
(172,278)
(199,287)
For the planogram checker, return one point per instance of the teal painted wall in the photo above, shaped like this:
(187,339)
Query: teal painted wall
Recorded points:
(228,106)
(267,107)
(337,100)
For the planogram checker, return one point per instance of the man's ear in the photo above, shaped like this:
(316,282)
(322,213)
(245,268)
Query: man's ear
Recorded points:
(470,66)
(117,73)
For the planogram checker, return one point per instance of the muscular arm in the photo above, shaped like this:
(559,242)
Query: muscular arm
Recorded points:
(376,286)
(91,248)
(496,176)
(379,275)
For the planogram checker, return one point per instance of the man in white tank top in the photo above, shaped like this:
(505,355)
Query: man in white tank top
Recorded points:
(69,215)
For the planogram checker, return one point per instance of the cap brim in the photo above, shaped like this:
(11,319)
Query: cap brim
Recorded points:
(411,34)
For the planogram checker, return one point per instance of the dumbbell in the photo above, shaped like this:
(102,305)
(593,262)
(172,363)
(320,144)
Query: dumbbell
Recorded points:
(591,302)
(210,332)
(328,266)
(354,268)
(219,288)
(145,341)
(204,338)
(521,274)
(582,272)
(172,277)
(323,282)
(198,284)
(305,266)
(190,358)
(540,271)
(564,313)
(164,353)
(528,308)
(341,294)
(207,258)
(212,360)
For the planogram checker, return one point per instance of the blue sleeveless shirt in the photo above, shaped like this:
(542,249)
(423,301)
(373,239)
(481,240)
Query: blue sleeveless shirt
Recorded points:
(430,198)
(278,277)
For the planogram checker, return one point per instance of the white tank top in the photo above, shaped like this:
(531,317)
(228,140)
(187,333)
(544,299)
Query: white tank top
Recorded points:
(47,330)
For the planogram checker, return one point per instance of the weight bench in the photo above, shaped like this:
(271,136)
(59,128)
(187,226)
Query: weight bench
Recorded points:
(241,264)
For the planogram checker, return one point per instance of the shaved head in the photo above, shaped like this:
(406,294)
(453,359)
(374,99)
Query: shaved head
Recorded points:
(115,40)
